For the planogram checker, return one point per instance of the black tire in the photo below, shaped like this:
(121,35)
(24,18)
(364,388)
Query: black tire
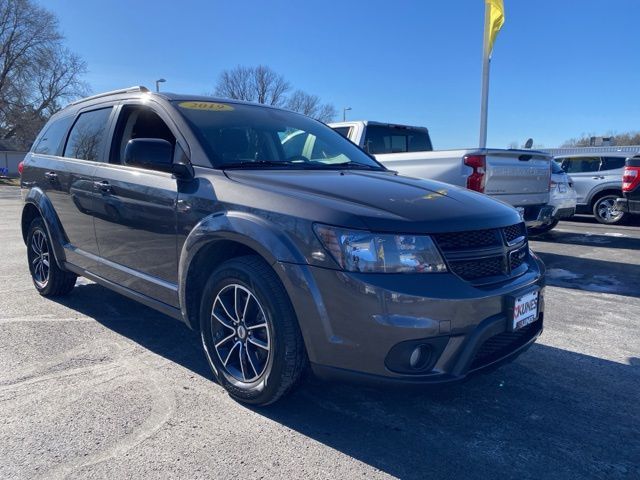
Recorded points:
(256,378)
(602,210)
(48,278)
(533,231)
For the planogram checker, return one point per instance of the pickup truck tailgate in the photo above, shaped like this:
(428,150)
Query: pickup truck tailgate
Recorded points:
(519,177)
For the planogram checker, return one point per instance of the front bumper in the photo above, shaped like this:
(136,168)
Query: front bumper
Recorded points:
(351,322)
(628,205)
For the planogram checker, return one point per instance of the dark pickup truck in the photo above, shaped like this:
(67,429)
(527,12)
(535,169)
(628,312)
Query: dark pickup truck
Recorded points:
(197,207)
(630,202)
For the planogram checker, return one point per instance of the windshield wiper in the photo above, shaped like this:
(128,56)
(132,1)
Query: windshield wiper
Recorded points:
(354,166)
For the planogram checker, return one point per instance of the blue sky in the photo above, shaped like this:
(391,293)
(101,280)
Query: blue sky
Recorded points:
(560,68)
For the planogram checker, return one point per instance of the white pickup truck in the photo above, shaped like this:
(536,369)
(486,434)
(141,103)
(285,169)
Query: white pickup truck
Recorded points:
(520,178)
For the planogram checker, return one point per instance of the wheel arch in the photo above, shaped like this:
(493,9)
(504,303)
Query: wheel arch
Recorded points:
(221,237)
(606,190)
(38,205)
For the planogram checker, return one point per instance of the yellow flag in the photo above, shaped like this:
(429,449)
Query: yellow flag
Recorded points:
(494,20)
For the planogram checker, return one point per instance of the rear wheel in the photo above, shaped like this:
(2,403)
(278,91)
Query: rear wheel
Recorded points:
(48,278)
(605,212)
(250,332)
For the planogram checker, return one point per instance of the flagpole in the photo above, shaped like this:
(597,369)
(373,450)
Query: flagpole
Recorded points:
(486,61)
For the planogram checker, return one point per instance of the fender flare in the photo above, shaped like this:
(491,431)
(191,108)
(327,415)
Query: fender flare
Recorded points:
(601,188)
(243,228)
(41,202)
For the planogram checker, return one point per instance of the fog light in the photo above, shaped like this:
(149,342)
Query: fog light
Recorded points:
(416,357)
(420,357)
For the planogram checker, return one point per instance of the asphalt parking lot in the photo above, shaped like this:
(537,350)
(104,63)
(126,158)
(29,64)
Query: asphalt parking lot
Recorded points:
(95,385)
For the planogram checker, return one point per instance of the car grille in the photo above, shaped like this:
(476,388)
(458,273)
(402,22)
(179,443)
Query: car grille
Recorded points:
(502,344)
(485,256)
(473,239)
(514,232)
(473,269)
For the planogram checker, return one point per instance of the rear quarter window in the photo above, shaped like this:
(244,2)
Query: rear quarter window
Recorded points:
(50,142)
(612,163)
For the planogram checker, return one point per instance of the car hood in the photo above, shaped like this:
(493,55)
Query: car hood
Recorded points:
(379,201)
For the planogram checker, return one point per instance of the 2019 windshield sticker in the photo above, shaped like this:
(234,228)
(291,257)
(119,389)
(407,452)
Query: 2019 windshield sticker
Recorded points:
(211,106)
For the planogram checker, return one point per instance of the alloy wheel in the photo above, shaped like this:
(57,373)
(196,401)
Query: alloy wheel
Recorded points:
(40,258)
(607,211)
(240,332)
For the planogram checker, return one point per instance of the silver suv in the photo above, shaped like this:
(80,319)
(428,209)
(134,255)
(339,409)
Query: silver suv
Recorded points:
(598,183)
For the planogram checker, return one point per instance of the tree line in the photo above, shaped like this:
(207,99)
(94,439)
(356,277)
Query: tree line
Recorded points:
(620,139)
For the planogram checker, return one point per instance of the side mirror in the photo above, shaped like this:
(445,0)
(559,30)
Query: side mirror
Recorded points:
(151,153)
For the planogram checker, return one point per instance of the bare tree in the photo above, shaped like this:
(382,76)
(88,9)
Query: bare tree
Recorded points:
(236,83)
(253,84)
(311,106)
(263,85)
(37,73)
(270,87)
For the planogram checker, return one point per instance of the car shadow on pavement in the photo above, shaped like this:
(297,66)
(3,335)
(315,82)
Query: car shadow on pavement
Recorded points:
(551,414)
(589,240)
(592,275)
(630,220)
(152,330)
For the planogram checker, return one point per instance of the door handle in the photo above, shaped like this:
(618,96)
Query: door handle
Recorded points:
(51,176)
(103,186)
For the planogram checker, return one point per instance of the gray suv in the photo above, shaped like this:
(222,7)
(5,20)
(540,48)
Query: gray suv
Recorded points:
(193,206)
(598,183)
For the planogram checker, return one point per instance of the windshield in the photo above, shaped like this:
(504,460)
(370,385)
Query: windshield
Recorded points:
(249,136)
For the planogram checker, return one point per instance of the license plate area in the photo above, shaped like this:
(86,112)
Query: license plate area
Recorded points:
(524,310)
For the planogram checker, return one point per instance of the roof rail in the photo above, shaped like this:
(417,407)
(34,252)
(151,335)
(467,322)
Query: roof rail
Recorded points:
(136,88)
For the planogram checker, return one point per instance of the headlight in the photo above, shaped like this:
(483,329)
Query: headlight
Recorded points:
(361,251)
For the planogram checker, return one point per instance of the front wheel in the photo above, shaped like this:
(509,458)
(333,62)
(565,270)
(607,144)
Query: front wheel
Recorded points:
(48,278)
(605,211)
(250,332)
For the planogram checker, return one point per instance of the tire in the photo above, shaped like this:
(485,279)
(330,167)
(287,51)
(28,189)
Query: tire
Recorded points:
(605,213)
(48,278)
(543,228)
(244,307)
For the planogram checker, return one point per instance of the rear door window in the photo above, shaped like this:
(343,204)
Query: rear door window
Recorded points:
(581,164)
(612,163)
(88,135)
(51,141)
(396,139)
